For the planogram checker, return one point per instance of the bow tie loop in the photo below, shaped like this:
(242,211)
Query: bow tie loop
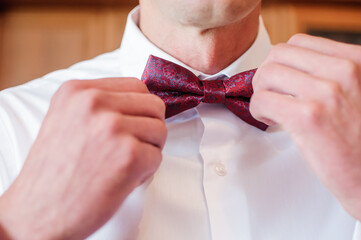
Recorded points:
(214,91)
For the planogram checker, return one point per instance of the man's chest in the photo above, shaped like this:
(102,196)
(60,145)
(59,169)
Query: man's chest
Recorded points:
(220,179)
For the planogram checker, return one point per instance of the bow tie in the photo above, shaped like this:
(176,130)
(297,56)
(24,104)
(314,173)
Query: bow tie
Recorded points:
(181,90)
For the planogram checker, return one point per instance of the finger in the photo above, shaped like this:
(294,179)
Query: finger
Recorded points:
(270,107)
(106,84)
(145,158)
(148,130)
(137,104)
(327,46)
(148,160)
(289,81)
(314,63)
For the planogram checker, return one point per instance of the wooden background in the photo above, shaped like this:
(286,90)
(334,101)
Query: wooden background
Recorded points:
(39,36)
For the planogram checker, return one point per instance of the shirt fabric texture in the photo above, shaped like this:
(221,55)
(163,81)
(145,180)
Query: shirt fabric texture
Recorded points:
(220,178)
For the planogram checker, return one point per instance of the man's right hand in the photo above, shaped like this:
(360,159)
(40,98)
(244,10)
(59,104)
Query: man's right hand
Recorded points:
(100,139)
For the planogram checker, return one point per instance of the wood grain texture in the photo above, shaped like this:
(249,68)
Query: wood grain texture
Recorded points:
(69,2)
(312,1)
(284,20)
(37,41)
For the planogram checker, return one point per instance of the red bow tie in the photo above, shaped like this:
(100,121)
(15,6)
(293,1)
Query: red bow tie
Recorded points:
(181,90)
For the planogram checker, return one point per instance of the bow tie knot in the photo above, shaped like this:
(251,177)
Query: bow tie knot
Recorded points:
(214,91)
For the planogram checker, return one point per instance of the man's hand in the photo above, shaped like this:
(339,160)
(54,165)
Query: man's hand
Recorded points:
(99,140)
(311,86)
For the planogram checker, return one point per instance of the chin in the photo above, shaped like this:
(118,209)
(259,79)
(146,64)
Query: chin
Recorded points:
(209,13)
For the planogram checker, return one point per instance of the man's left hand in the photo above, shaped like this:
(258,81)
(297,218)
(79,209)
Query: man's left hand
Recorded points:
(312,87)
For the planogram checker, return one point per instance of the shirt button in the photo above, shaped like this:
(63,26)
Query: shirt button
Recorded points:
(220,169)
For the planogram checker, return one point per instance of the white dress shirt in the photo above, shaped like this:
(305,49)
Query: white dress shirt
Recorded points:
(220,178)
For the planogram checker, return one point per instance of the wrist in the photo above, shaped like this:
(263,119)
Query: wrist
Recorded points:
(18,223)
(6,228)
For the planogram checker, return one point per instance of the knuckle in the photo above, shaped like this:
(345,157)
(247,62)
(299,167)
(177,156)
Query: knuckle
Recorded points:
(142,87)
(312,112)
(132,97)
(130,145)
(138,84)
(269,69)
(155,157)
(163,132)
(297,38)
(156,105)
(255,102)
(128,149)
(350,70)
(110,124)
(256,77)
(157,160)
(152,165)
(70,87)
(276,51)
(260,72)
(333,90)
(91,99)
(256,81)
(280,46)
(161,107)
(263,75)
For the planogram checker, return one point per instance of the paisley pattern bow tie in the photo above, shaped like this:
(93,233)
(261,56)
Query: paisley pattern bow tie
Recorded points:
(181,90)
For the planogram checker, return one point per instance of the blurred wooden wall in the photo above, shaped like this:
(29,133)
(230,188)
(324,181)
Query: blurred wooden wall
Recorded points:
(39,36)
(283,20)
(37,40)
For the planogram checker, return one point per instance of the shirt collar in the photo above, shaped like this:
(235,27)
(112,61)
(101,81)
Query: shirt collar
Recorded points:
(138,48)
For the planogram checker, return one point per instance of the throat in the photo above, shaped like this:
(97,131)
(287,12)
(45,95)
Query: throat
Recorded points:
(206,50)
(212,52)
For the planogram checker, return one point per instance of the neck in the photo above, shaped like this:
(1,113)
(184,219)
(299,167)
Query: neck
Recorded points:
(208,50)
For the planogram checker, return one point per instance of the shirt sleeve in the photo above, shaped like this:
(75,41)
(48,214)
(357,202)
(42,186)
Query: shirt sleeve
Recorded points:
(357,233)
(7,158)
